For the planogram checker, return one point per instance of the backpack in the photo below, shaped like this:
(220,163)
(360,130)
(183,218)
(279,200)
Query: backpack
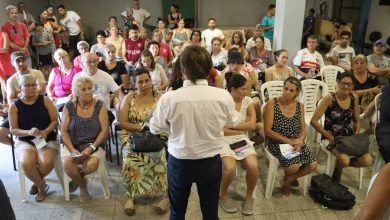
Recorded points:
(331,194)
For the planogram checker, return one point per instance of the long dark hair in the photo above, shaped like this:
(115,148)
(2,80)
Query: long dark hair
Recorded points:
(234,80)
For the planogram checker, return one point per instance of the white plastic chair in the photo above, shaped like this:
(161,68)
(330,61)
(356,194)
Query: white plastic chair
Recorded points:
(379,162)
(273,88)
(312,91)
(102,173)
(273,170)
(22,177)
(329,76)
(331,159)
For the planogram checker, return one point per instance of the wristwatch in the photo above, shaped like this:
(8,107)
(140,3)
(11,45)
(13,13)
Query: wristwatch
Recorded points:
(93,147)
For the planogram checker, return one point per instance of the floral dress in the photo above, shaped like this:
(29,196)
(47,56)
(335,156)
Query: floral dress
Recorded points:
(289,127)
(226,151)
(142,173)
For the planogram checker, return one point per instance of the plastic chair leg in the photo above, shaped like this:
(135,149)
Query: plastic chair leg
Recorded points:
(273,167)
(22,183)
(361,177)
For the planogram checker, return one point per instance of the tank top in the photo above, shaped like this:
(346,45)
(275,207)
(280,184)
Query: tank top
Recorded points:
(339,121)
(35,115)
(62,85)
(83,130)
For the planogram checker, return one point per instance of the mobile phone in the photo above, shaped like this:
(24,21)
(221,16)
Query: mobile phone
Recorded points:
(238,144)
(73,155)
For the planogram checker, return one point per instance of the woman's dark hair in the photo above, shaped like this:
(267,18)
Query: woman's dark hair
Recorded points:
(295,81)
(160,19)
(147,53)
(342,75)
(216,39)
(261,37)
(112,17)
(153,42)
(343,33)
(196,31)
(60,6)
(177,75)
(234,80)
(177,7)
(140,71)
(241,43)
(271,6)
(196,63)
(101,33)
(278,52)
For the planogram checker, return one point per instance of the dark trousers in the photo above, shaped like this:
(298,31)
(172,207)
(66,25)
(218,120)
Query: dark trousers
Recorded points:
(6,211)
(206,173)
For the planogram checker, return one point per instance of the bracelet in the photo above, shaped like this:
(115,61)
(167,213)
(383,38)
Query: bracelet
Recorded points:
(93,147)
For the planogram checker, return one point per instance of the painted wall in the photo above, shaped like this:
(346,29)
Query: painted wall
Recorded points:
(378,20)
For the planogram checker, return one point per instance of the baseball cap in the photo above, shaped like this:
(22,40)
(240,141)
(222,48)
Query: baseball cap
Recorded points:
(381,41)
(235,57)
(16,55)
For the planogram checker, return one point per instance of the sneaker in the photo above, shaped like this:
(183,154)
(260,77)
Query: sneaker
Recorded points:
(247,207)
(162,207)
(228,205)
(84,195)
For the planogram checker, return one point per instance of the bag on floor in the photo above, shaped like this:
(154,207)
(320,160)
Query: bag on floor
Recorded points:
(331,194)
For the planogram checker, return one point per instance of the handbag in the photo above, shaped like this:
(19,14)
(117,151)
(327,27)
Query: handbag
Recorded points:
(142,142)
(354,145)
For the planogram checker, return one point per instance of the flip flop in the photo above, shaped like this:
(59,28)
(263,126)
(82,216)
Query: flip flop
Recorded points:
(33,189)
(37,199)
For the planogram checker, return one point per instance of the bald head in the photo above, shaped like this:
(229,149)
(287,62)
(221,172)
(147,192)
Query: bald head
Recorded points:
(89,61)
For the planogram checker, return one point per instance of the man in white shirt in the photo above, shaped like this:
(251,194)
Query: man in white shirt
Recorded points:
(308,62)
(212,32)
(258,32)
(342,54)
(378,63)
(103,82)
(195,124)
(25,17)
(140,15)
(71,22)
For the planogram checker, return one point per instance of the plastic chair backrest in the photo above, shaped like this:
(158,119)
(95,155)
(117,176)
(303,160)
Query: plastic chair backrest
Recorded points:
(313,90)
(273,89)
(329,76)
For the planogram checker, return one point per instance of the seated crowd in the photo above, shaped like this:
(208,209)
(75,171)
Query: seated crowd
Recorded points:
(128,74)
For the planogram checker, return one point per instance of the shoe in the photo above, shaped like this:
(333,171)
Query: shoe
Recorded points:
(247,207)
(72,186)
(84,195)
(228,205)
(41,198)
(295,183)
(33,189)
(129,207)
(162,207)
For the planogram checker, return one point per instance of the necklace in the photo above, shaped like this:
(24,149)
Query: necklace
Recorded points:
(86,108)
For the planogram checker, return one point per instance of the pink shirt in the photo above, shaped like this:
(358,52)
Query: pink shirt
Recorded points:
(62,85)
(18,35)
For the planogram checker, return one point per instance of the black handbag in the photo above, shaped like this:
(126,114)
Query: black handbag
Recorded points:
(354,145)
(142,142)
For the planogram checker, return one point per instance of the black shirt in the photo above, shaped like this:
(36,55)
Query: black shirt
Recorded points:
(118,70)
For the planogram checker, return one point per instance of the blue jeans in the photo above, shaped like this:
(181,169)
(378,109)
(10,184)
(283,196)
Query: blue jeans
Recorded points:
(206,173)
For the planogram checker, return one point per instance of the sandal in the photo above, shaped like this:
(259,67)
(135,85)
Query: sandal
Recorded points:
(33,189)
(286,191)
(129,207)
(162,207)
(39,198)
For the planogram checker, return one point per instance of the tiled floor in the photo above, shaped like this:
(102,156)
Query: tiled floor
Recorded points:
(55,207)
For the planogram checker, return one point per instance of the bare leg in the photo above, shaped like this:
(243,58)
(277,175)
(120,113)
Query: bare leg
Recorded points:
(90,165)
(362,161)
(293,172)
(29,162)
(228,173)
(4,139)
(46,159)
(71,169)
(252,174)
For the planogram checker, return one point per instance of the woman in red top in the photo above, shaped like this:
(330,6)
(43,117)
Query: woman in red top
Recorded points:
(6,69)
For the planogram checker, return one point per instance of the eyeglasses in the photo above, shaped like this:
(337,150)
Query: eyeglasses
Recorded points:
(346,84)
(30,85)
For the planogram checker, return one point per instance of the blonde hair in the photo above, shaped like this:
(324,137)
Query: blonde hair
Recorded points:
(78,82)
(58,53)
(359,57)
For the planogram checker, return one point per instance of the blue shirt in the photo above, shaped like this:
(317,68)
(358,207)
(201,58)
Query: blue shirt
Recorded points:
(268,21)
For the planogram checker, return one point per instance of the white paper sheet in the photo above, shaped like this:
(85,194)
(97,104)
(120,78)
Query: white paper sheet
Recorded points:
(287,151)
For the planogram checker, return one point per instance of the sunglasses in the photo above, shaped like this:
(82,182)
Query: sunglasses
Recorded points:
(16,31)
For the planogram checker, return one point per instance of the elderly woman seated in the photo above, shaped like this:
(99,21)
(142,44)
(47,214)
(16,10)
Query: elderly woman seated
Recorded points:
(84,129)
(236,85)
(341,111)
(61,77)
(33,119)
(284,123)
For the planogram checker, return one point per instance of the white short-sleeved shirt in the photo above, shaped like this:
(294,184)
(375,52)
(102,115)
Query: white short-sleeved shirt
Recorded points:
(344,56)
(13,81)
(158,76)
(194,117)
(220,58)
(70,23)
(208,35)
(103,85)
(251,43)
(139,15)
(306,60)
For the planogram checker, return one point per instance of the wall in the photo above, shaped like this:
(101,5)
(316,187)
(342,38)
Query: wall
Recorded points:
(378,20)
(32,6)
(233,12)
